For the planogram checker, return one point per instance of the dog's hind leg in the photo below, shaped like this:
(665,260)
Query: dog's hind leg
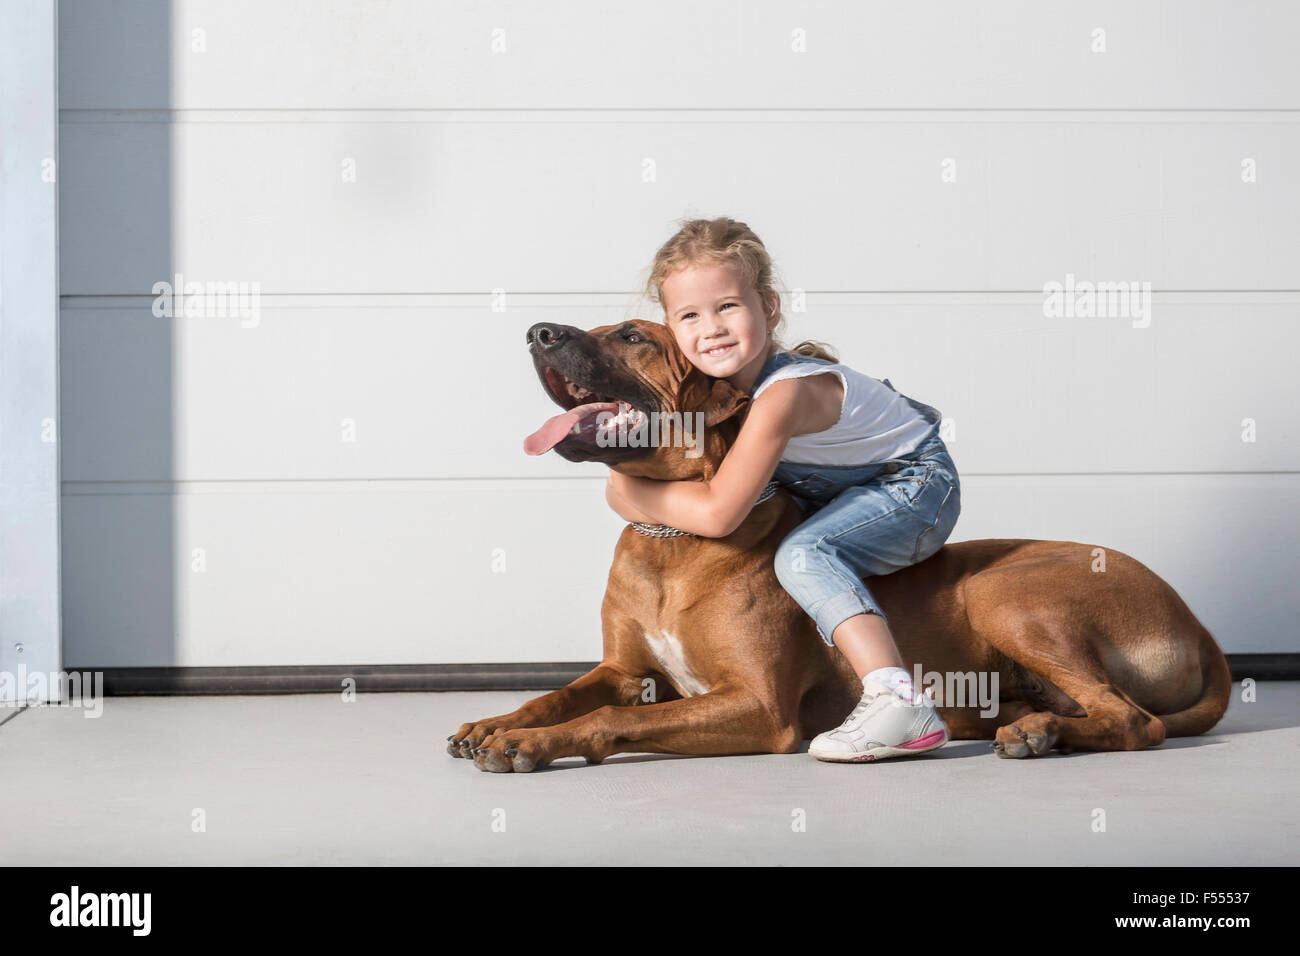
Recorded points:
(1049,617)
(1113,722)
(1064,669)
(965,723)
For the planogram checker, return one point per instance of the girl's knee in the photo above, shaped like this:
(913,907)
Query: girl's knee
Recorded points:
(792,557)
(934,538)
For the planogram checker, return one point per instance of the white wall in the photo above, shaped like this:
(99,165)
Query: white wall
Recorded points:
(523,170)
(29,348)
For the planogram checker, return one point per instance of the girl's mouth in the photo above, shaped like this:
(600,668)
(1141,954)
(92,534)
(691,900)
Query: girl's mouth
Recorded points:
(720,351)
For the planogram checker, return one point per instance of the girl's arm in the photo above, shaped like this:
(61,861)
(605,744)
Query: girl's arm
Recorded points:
(714,509)
(621,505)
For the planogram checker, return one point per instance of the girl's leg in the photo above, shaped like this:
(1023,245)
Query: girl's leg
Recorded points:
(863,532)
(865,639)
(867,530)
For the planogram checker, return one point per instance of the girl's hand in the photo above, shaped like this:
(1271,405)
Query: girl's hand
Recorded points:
(615,491)
(717,507)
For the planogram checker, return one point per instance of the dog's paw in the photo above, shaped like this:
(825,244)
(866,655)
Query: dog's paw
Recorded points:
(510,751)
(472,735)
(1024,739)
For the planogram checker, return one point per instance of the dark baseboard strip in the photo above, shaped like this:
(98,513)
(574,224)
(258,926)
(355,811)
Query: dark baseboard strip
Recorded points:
(378,678)
(310,679)
(1264,666)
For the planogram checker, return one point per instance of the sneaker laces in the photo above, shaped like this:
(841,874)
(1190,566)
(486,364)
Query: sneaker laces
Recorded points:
(867,697)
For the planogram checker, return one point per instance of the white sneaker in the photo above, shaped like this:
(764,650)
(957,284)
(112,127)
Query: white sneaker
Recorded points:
(882,725)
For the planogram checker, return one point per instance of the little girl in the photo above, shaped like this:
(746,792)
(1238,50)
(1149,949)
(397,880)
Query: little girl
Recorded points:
(866,465)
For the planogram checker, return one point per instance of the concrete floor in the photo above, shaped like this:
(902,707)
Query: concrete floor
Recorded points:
(313,780)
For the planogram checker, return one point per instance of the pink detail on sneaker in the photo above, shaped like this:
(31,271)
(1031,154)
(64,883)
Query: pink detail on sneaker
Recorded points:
(929,740)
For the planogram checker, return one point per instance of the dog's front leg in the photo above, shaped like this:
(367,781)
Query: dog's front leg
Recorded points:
(732,721)
(604,684)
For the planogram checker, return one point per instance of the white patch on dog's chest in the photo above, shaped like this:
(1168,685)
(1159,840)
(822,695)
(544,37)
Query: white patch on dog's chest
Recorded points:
(667,650)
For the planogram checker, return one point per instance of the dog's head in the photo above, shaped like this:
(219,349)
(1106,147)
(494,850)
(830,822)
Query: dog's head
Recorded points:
(632,401)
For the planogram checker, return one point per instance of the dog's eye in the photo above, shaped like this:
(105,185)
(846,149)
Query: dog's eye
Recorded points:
(632,337)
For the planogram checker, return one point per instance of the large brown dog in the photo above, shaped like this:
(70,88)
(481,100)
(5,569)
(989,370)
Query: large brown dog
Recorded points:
(705,653)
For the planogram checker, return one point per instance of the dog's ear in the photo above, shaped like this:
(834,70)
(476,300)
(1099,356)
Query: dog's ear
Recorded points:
(717,398)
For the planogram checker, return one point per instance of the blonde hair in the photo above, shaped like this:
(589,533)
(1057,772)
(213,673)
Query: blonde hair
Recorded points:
(721,241)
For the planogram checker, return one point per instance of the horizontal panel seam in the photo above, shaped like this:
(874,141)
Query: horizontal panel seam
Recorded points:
(72,297)
(607,114)
(194,485)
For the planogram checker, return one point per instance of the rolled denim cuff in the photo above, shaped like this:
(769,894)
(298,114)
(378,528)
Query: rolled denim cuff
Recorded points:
(835,610)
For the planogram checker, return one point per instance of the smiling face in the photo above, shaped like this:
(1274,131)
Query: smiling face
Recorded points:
(720,321)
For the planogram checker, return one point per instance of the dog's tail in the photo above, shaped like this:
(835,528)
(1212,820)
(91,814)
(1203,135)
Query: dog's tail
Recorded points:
(1216,688)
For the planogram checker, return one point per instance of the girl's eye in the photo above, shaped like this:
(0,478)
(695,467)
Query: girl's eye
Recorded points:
(725,304)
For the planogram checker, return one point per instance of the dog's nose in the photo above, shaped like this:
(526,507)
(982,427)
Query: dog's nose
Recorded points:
(544,336)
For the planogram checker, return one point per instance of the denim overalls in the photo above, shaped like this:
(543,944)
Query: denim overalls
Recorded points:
(870,519)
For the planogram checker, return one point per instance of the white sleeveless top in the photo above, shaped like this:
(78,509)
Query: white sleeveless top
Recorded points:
(876,423)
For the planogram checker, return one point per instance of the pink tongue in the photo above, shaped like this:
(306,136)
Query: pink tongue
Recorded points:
(553,432)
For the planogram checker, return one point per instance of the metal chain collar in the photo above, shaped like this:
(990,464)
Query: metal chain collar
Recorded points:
(667,531)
